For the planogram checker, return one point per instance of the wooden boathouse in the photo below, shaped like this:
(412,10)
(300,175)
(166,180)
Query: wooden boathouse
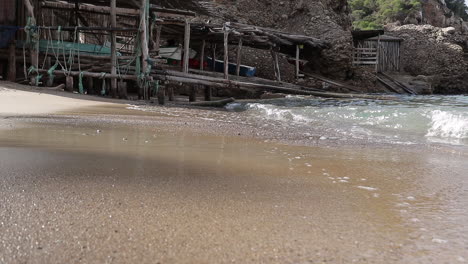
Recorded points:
(376,49)
(116,48)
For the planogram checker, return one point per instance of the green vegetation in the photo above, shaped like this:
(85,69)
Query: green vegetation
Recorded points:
(373,14)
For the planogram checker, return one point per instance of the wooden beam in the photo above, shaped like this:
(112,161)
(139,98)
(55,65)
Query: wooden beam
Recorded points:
(214,56)
(202,55)
(113,18)
(208,93)
(298,53)
(226,54)
(239,57)
(274,55)
(34,51)
(186,47)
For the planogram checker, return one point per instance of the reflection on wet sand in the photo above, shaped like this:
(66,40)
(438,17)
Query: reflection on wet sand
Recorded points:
(136,194)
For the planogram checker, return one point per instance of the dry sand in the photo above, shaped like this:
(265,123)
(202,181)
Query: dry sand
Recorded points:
(93,185)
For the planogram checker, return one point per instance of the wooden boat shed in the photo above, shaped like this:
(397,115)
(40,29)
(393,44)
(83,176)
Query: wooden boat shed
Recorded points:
(374,48)
(114,45)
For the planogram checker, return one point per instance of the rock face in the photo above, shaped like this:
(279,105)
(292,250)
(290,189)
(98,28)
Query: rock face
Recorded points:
(433,51)
(435,13)
(324,19)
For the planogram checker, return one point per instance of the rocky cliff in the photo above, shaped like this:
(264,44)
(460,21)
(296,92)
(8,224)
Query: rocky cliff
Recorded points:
(435,13)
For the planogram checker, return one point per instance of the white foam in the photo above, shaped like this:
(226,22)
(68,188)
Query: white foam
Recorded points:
(367,188)
(448,125)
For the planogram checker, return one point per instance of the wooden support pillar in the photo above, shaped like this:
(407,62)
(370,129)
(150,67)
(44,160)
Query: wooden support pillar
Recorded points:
(144,45)
(122,89)
(276,65)
(34,51)
(202,56)
(186,47)
(239,57)
(214,57)
(170,91)
(298,53)
(208,93)
(69,87)
(113,18)
(157,42)
(161,95)
(193,93)
(12,63)
(226,54)
(89,85)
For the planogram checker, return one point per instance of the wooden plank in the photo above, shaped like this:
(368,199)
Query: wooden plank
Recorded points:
(144,44)
(297,61)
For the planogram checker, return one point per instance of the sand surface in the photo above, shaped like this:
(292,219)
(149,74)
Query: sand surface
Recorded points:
(105,184)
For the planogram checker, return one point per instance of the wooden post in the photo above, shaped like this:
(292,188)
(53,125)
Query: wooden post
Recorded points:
(214,57)
(186,47)
(12,63)
(161,96)
(202,56)
(34,51)
(122,89)
(226,54)
(276,65)
(158,39)
(144,45)
(208,93)
(69,84)
(239,57)
(170,91)
(377,62)
(298,53)
(113,18)
(193,93)
(90,85)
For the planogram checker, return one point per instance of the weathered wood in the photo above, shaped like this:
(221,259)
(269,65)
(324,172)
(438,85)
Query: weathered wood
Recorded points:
(298,53)
(69,87)
(161,95)
(89,85)
(186,47)
(12,63)
(276,65)
(193,93)
(239,57)
(92,74)
(144,45)
(157,42)
(170,91)
(34,51)
(208,93)
(113,18)
(218,103)
(214,57)
(202,56)
(122,89)
(226,54)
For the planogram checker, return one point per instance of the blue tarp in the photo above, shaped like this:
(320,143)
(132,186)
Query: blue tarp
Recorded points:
(7,34)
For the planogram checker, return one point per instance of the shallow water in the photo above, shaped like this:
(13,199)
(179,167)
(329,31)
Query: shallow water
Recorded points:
(79,191)
(409,120)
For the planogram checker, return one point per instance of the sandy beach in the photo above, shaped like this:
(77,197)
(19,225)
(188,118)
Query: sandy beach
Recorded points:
(85,180)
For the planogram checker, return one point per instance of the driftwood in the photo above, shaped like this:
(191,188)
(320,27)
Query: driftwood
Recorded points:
(218,103)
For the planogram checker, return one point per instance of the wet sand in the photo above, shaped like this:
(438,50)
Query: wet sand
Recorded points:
(104,184)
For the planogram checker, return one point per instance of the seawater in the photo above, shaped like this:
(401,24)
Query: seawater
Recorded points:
(408,120)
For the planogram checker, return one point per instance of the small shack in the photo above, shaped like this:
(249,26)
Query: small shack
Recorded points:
(381,51)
